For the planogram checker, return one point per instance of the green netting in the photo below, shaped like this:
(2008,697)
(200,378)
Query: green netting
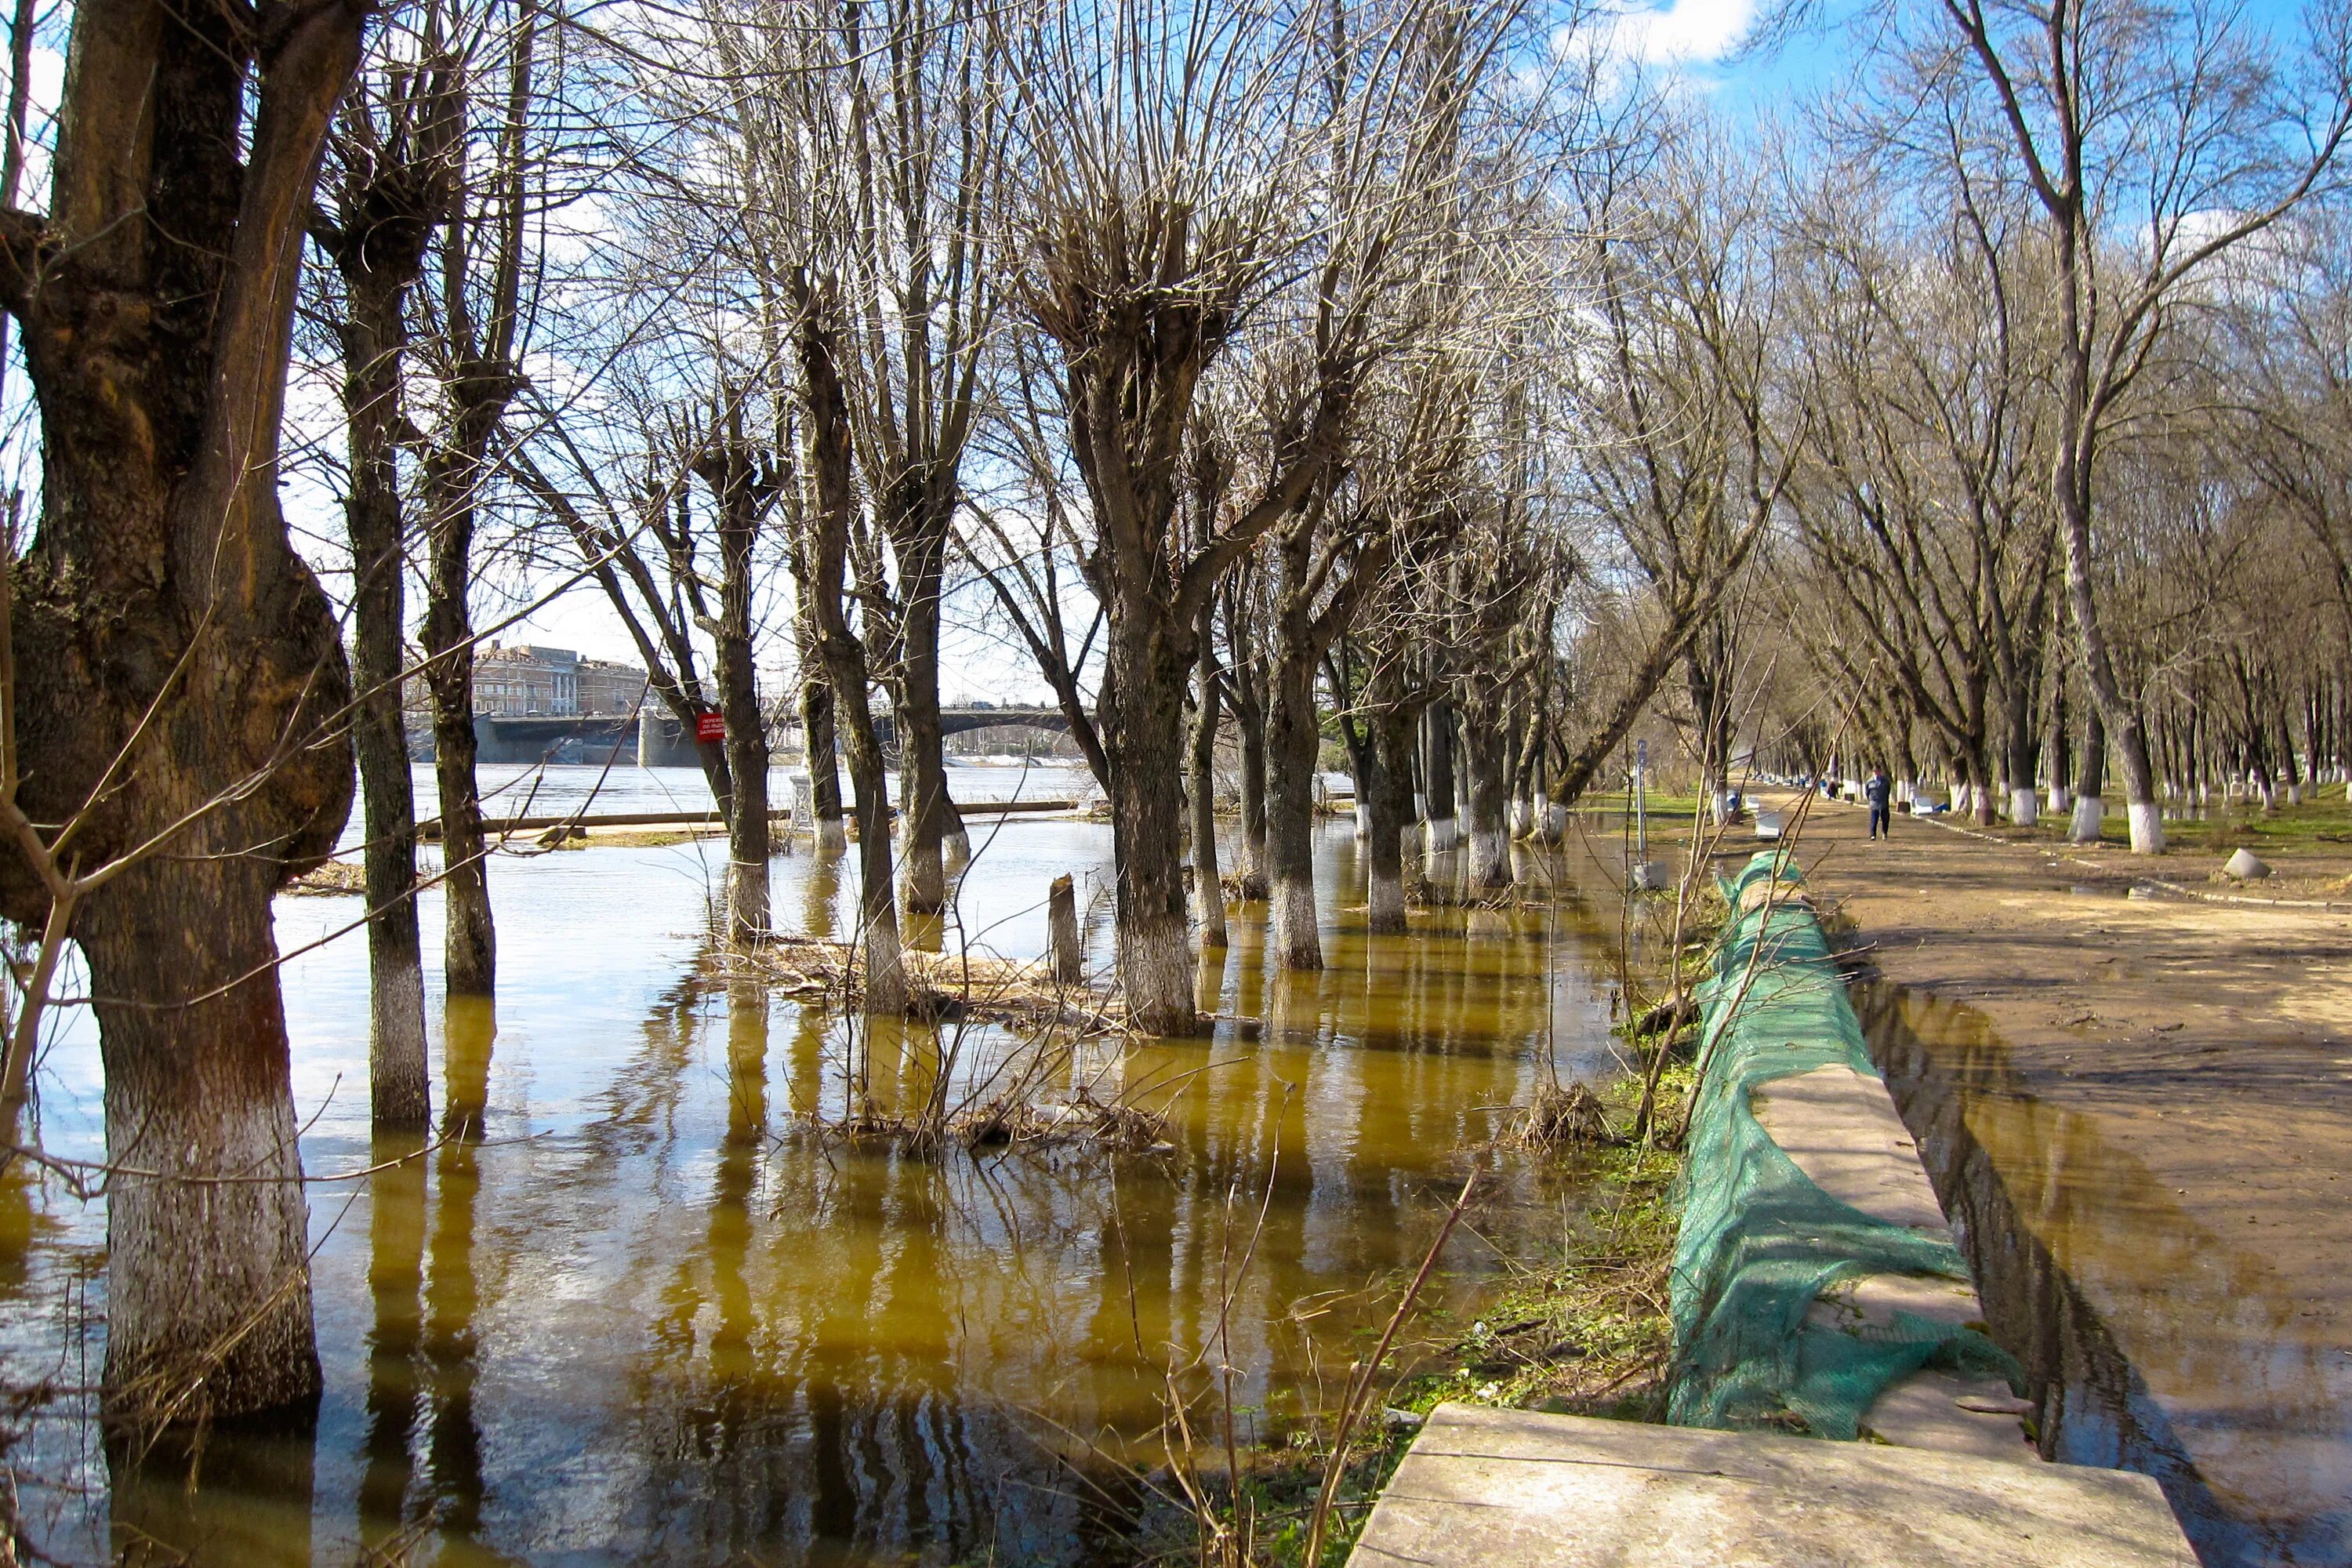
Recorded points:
(1759,1241)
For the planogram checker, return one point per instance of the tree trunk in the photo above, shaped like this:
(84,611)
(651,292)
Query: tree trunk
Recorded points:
(1142,725)
(1437,730)
(833,503)
(1201,784)
(822,745)
(208,1300)
(1291,743)
(748,846)
(400,1093)
(1250,721)
(1490,839)
(2024,799)
(2071,485)
(162,623)
(2054,748)
(1390,804)
(469,940)
(743,482)
(926,815)
(2089,779)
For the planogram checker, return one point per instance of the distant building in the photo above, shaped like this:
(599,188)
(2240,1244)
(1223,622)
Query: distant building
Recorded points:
(534,682)
(608,688)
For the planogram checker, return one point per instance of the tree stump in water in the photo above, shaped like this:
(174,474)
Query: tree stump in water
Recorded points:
(1062,931)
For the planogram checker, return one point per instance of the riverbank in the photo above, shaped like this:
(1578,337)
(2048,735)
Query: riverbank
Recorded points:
(2150,1093)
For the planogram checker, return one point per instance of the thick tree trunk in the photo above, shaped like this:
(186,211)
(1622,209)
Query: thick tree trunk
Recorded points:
(1200,787)
(748,841)
(469,940)
(2071,486)
(1142,725)
(2060,796)
(2024,798)
(453,479)
(877,907)
(1490,839)
(209,1298)
(400,1092)
(162,626)
(742,482)
(1390,806)
(1292,741)
(1437,807)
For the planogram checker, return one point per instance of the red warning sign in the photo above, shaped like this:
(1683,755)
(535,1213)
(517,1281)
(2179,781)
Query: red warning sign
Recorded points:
(710,727)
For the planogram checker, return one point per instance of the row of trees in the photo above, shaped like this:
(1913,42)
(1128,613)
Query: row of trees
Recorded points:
(1395,371)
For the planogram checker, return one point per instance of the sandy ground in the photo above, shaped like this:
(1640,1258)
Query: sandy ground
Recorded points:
(2164,1086)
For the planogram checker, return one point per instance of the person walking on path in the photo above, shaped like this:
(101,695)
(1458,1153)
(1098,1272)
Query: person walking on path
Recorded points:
(1877,790)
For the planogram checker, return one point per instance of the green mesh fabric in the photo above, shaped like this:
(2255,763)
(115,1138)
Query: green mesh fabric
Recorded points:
(1759,1241)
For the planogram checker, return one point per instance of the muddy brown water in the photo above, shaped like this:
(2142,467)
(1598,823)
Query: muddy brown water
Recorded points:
(632,1312)
(2150,1342)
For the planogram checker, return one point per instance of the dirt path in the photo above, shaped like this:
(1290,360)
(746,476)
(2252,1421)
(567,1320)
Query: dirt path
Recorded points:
(2163,1088)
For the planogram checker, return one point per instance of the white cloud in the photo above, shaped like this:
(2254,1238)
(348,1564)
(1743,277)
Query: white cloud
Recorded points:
(1680,32)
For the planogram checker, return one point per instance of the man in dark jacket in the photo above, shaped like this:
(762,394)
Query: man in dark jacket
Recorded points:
(1878,792)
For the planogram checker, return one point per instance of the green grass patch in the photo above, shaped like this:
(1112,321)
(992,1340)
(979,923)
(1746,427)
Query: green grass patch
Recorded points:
(2316,827)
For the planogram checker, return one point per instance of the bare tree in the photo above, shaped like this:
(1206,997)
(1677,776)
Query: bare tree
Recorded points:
(1688,449)
(471,348)
(1166,156)
(2132,126)
(389,183)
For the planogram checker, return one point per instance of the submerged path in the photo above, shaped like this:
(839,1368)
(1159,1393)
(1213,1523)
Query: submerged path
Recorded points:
(2139,1107)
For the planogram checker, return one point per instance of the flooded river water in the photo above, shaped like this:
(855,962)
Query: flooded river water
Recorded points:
(638,1313)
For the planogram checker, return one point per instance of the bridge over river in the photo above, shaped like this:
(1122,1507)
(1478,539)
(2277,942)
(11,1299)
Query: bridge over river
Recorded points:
(659,740)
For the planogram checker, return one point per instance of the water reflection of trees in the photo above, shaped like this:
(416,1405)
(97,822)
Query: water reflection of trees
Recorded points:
(853,1349)
(693,1330)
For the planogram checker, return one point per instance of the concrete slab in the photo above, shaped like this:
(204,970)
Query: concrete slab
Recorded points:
(1840,1128)
(1506,1488)
(1953,1414)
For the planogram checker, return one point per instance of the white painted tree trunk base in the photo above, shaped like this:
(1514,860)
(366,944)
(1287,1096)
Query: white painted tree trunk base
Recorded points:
(1438,836)
(2084,827)
(831,838)
(2060,802)
(400,1077)
(748,918)
(199,1264)
(886,972)
(2024,807)
(1384,903)
(1490,859)
(1363,820)
(2147,828)
(1298,945)
(1156,972)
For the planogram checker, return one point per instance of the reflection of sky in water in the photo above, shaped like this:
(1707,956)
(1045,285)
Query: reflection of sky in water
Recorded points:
(644,1320)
